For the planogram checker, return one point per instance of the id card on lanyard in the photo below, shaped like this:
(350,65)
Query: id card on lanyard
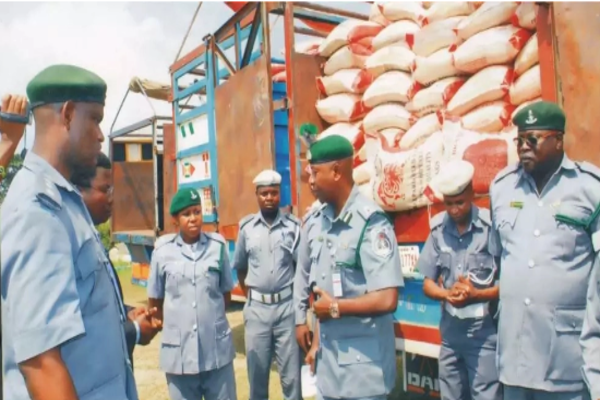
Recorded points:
(336,278)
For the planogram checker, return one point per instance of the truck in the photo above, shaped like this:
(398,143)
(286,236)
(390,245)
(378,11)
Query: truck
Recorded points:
(230,120)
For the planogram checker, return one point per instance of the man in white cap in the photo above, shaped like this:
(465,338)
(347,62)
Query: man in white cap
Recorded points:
(265,258)
(460,272)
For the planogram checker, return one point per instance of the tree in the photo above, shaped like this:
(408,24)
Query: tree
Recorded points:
(15,165)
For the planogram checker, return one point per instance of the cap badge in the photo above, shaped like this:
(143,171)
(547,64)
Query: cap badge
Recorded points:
(530,118)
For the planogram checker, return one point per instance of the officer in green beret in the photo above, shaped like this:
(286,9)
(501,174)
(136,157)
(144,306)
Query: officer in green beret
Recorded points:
(190,283)
(544,221)
(65,337)
(355,275)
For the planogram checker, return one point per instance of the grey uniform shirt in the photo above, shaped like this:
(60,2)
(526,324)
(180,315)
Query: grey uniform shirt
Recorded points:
(56,290)
(448,255)
(196,335)
(590,336)
(546,265)
(267,253)
(308,234)
(357,356)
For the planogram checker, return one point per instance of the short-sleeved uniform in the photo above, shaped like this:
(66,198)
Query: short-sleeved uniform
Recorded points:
(268,254)
(590,335)
(357,356)
(56,288)
(545,249)
(308,234)
(197,346)
(467,361)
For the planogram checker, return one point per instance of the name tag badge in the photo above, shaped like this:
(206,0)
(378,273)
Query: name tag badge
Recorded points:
(336,278)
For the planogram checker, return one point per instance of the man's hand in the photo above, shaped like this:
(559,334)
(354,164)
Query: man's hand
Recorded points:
(322,306)
(148,322)
(310,358)
(462,292)
(304,337)
(13,131)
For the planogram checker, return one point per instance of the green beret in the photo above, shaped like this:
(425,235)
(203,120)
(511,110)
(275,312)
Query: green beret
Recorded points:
(330,148)
(60,83)
(542,116)
(183,199)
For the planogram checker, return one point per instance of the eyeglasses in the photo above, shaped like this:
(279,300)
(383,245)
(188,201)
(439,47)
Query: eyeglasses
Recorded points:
(533,140)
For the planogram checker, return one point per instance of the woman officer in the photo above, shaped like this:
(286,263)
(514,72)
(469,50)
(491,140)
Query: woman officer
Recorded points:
(190,282)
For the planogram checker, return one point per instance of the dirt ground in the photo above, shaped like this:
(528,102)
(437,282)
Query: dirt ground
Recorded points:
(151,381)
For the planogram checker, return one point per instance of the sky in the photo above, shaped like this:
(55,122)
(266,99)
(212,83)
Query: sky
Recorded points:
(117,40)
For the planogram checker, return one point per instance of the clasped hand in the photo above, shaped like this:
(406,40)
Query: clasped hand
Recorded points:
(149,321)
(461,293)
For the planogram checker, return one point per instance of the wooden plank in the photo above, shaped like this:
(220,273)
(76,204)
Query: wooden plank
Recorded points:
(577,27)
(133,208)
(304,70)
(244,122)
(169,175)
(546,52)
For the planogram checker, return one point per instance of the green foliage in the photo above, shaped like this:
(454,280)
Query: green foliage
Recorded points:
(15,165)
(104,230)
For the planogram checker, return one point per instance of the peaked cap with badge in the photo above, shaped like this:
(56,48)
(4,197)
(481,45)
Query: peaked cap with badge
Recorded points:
(268,177)
(329,149)
(454,178)
(183,199)
(540,116)
(60,83)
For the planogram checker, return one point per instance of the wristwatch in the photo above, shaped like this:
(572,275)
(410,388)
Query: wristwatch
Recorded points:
(334,310)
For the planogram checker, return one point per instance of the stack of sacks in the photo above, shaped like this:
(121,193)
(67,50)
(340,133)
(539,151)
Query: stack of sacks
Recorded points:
(345,80)
(443,81)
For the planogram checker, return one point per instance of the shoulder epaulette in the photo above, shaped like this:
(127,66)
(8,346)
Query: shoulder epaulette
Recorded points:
(293,218)
(244,221)
(367,211)
(436,220)
(485,216)
(506,172)
(588,168)
(217,237)
(47,193)
(164,239)
(313,212)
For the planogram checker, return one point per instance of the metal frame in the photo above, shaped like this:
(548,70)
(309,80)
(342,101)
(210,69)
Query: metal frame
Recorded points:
(242,32)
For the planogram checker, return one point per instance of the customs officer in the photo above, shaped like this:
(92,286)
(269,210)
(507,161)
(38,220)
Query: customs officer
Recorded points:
(457,252)
(544,213)
(64,339)
(190,283)
(590,335)
(355,274)
(265,258)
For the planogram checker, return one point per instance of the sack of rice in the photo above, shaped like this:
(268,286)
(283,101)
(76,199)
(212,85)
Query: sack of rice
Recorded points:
(351,56)
(395,33)
(420,132)
(393,86)
(376,16)
(441,10)
(525,16)
(343,107)
(427,70)
(489,118)
(489,15)
(489,84)
(391,58)
(395,11)
(433,37)
(348,32)
(389,115)
(528,57)
(345,81)
(434,97)
(494,46)
(527,87)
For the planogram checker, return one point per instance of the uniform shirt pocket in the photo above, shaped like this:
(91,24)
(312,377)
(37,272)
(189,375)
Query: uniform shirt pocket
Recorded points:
(174,275)
(170,352)
(94,281)
(505,223)
(361,371)
(565,358)
(571,235)
(481,270)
